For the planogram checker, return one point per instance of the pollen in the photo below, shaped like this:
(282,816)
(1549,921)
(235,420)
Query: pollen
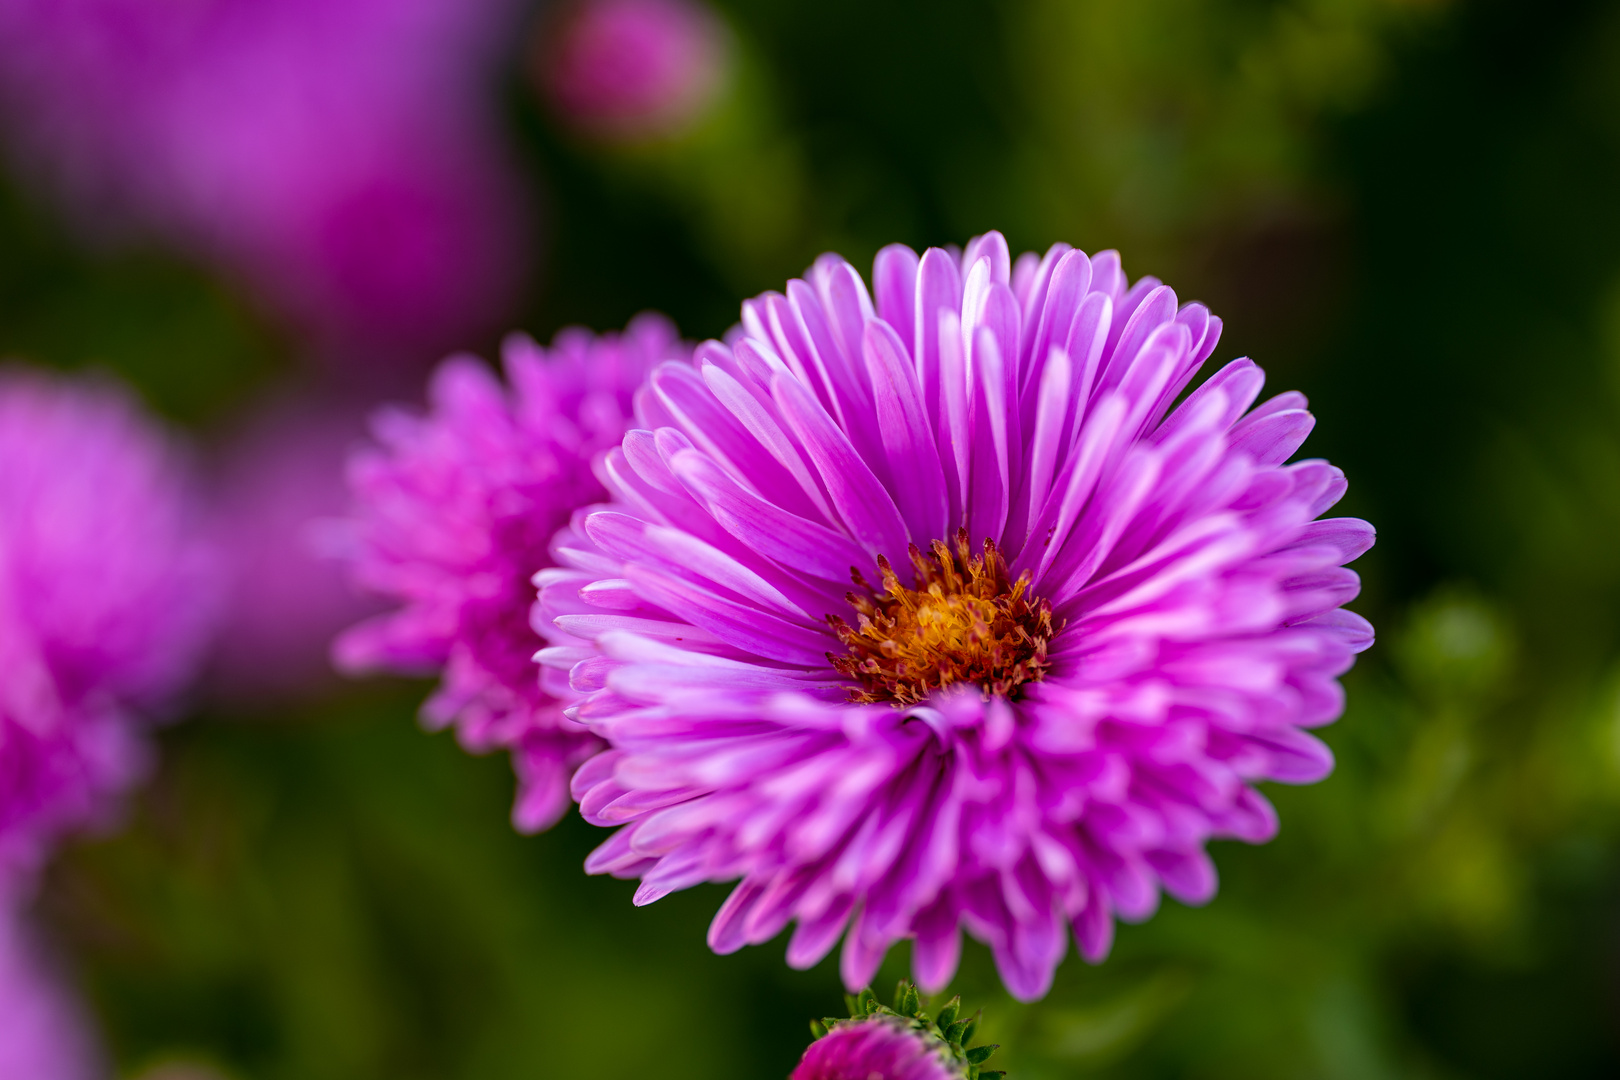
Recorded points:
(964,622)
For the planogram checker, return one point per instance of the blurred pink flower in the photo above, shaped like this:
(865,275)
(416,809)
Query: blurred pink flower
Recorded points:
(107,593)
(281,479)
(341,159)
(453,513)
(43,1032)
(632,69)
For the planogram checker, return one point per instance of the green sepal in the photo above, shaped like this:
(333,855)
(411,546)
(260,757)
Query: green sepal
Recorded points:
(980,1054)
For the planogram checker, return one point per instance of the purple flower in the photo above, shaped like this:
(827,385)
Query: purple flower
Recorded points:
(454,513)
(882,1047)
(632,69)
(341,159)
(107,593)
(899,1043)
(1084,619)
(43,1032)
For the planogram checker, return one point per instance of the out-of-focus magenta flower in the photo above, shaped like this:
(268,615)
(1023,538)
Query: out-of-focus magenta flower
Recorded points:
(1084,621)
(107,592)
(632,69)
(282,479)
(454,511)
(44,1034)
(341,158)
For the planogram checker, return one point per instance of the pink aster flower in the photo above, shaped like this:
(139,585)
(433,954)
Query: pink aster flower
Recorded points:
(871,1048)
(342,160)
(454,511)
(901,1043)
(106,597)
(931,609)
(629,69)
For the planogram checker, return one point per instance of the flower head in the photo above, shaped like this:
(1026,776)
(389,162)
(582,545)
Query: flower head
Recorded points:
(901,1043)
(454,511)
(929,608)
(632,69)
(107,593)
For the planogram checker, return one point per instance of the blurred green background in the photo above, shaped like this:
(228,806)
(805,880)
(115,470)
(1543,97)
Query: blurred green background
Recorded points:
(1409,209)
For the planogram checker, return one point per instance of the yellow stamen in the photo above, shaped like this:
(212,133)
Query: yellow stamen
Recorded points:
(964,622)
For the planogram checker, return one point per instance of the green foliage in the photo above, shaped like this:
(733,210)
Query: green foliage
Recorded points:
(1157,121)
(186,342)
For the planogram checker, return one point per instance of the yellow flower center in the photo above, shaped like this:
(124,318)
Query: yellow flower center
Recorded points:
(964,622)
